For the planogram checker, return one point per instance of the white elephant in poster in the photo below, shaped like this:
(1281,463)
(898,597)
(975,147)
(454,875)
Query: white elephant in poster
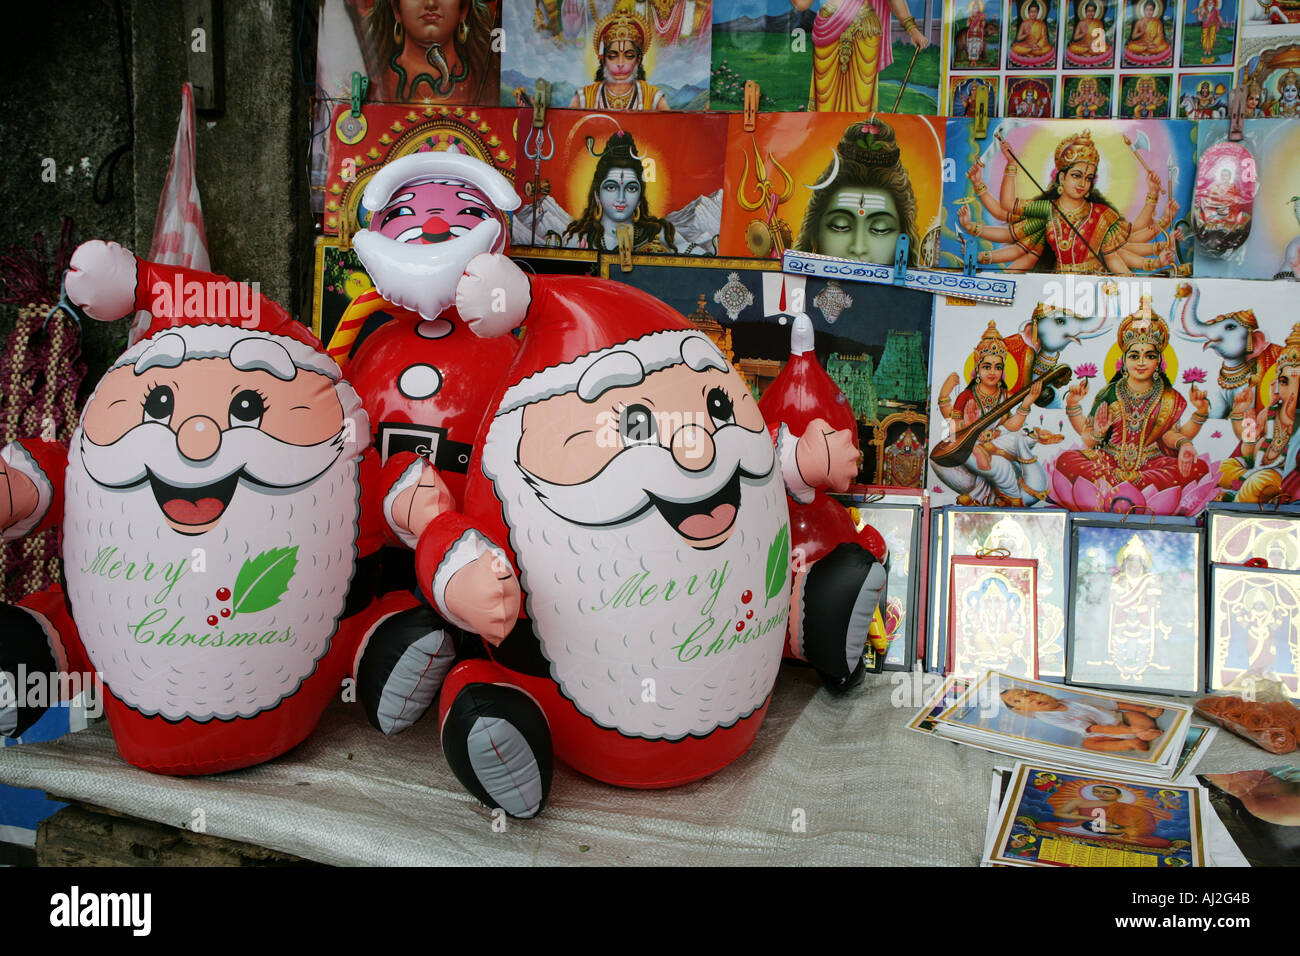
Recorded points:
(1013,478)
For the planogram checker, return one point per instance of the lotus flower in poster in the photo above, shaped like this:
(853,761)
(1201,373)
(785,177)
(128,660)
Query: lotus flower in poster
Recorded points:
(1081,494)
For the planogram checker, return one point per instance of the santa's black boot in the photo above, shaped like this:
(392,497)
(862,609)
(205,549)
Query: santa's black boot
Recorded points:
(403,664)
(835,606)
(24,650)
(498,744)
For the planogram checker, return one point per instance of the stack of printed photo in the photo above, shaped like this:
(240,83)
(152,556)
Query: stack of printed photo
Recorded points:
(1047,816)
(1070,728)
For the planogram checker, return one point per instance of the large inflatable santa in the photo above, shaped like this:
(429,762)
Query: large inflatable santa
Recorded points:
(212,531)
(624,549)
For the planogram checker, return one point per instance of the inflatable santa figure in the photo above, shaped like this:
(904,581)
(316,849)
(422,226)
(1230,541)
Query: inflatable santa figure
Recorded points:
(803,400)
(210,508)
(425,381)
(623,549)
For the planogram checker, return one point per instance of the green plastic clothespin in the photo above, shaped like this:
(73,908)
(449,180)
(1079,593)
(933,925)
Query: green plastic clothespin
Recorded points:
(359,86)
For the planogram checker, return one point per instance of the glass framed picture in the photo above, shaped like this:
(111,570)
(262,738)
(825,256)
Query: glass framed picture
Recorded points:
(1239,534)
(899,523)
(1254,625)
(1136,617)
(992,618)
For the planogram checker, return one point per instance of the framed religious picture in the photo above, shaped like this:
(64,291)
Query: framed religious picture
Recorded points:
(936,642)
(1254,626)
(899,522)
(1136,618)
(1040,534)
(1238,534)
(992,616)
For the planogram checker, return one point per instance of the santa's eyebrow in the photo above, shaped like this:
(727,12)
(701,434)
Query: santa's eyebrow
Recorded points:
(470,197)
(404,197)
(586,431)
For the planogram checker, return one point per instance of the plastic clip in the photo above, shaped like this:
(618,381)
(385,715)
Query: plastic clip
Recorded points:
(625,238)
(360,84)
(751,105)
(541,100)
(1236,114)
(900,260)
(981,97)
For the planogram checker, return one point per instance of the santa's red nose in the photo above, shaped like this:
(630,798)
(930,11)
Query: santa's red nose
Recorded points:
(435,226)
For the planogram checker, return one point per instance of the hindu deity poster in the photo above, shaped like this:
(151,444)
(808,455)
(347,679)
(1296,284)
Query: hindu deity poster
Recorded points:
(1038,534)
(358,151)
(1089,34)
(992,616)
(1241,533)
(609,54)
(1101,196)
(592,173)
(1031,96)
(835,183)
(853,56)
(1032,27)
(1269,68)
(1203,95)
(1136,607)
(975,38)
(1247,209)
(1150,396)
(1053,817)
(745,307)
(1144,96)
(1086,97)
(1209,32)
(968,95)
(1255,626)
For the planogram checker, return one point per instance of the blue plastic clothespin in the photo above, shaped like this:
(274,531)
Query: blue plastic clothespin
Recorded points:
(900,260)
(64,303)
(969,256)
(360,84)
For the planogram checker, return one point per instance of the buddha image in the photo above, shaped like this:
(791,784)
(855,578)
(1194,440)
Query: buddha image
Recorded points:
(863,201)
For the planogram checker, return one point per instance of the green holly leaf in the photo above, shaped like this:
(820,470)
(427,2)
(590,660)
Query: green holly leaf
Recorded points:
(263,580)
(778,563)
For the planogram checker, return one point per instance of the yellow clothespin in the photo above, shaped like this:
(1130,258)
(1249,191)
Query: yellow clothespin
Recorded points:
(625,240)
(981,97)
(751,105)
(541,100)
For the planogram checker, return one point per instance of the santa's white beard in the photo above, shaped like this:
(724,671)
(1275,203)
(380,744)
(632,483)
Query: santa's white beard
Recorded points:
(633,652)
(150,665)
(422,276)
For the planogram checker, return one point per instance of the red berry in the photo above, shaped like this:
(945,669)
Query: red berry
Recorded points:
(748,615)
(225,612)
(212,620)
(223,594)
(740,625)
(747,597)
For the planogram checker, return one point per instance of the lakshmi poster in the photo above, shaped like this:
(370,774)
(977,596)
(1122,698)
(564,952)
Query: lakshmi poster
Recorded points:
(1120,395)
(609,54)
(1260,205)
(828,55)
(1101,196)
(357,152)
(835,183)
(745,308)
(593,172)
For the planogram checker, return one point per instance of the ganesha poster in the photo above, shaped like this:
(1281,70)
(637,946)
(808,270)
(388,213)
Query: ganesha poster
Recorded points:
(745,308)
(631,55)
(1247,208)
(1071,197)
(840,184)
(828,55)
(585,175)
(1150,396)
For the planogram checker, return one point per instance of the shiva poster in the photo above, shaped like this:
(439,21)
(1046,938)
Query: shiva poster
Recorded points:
(851,56)
(1102,196)
(592,173)
(1246,213)
(746,307)
(609,54)
(1143,396)
(835,183)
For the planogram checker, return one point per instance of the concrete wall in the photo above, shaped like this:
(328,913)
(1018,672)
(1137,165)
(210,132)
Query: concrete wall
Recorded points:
(66,98)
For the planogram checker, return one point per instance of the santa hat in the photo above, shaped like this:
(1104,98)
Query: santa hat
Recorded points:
(803,390)
(587,335)
(438,166)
